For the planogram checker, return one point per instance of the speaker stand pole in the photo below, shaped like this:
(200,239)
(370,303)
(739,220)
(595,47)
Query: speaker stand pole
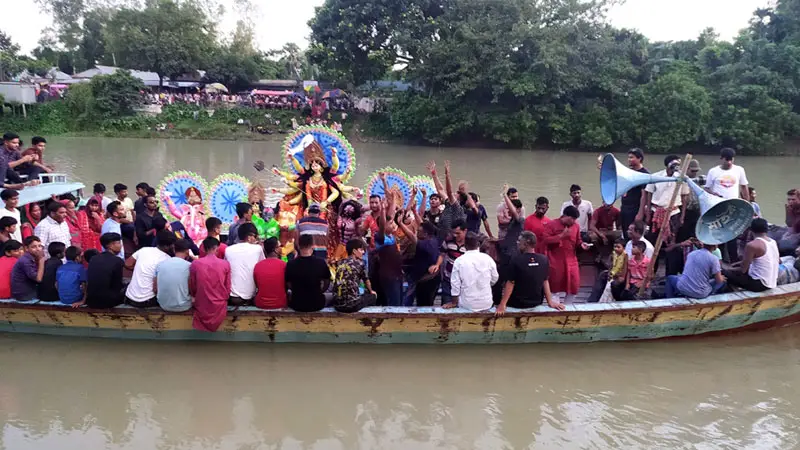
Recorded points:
(675,192)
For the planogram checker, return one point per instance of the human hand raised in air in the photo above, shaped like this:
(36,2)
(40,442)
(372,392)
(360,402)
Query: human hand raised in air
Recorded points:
(431,166)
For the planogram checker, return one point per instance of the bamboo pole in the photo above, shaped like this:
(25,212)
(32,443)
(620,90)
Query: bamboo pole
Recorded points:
(675,192)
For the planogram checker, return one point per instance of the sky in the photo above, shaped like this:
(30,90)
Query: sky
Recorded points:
(282,21)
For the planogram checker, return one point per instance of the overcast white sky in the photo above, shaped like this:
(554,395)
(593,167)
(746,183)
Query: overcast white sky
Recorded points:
(281,21)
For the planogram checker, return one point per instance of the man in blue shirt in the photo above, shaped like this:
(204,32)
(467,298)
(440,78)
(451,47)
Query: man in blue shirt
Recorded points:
(71,279)
(28,270)
(172,280)
(113,224)
(696,281)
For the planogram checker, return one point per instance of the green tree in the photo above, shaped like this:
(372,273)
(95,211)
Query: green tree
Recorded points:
(165,37)
(115,95)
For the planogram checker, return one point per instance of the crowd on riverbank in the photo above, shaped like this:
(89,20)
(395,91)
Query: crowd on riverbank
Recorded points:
(288,100)
(83,251)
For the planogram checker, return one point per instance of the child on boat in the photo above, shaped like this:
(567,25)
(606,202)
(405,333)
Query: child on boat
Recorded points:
(635,275)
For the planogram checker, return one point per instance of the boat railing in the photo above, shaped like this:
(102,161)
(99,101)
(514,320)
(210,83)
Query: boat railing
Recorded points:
(49,177)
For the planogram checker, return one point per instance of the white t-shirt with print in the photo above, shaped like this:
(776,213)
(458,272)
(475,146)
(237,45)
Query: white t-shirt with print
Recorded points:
(726,183)
(147,260)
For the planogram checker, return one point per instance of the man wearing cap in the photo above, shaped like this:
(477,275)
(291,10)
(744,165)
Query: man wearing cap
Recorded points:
(312,224)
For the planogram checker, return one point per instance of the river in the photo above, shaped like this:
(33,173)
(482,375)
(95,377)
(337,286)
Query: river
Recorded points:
(736,392)
(534,173)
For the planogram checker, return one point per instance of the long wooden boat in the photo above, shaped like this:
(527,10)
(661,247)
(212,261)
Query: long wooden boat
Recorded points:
(622,321)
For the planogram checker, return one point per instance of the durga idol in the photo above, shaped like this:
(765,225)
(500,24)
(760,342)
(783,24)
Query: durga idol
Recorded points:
(316,182)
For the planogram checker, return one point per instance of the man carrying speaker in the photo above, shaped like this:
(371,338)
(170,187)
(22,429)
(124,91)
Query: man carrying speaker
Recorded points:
(633,207)
(656,201)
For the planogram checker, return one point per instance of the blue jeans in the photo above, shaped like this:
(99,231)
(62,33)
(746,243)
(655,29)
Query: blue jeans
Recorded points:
(393,291)
(671,287)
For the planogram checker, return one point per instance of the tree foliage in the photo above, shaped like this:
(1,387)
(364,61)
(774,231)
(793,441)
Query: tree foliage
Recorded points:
(116,95)
(522,71)
(165,37)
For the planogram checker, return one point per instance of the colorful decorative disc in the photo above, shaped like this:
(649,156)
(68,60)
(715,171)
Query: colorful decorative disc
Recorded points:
(330,141)
(175,186)
(226,191)
(395,179)
(426,182)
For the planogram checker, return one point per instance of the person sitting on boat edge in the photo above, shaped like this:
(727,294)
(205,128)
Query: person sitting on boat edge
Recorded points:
(243,258)
(71,279)
(47,287)
(270,277)
(172,279)
(307,278)
(104,288)
(28,270)
(701,266)
(350,273)
(527,285)
(474,274)
(11,253)
(760,266)
(210,287)
(141,290)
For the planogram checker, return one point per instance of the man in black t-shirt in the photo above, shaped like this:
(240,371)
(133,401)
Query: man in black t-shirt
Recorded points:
(307,277)
(527,284)
(631,208)
(104,288)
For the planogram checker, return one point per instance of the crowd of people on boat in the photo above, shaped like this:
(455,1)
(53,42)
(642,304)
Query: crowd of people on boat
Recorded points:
(110,250)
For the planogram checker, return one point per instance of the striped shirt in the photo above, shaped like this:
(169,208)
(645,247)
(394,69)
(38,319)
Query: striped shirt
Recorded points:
(316,227)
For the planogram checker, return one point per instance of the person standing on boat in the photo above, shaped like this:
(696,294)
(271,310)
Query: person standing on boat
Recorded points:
(451,249)
(28,270)
(584,208)
(144,227)
(244,213)
(115,214)
(658,197)
(210,286)
(54,227)
(562,238)
(727,180)
(760,265)
(504,216)
(142,191)
(10,199)
(632,207)
(474,274)
(527,285)
(536,222)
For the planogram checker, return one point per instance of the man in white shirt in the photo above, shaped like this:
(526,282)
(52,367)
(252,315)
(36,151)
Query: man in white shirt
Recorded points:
(10,199)
(472,278)
(658,196)
(727,180)
(584,208)
(636,233)
(243,258)
(141,292)
(54,227)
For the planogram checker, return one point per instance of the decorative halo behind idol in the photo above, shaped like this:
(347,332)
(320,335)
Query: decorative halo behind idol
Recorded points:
(399,185)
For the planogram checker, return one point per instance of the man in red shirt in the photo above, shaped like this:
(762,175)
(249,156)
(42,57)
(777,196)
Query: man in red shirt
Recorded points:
(606,224)
(370,222)
(536,222)
(269,276)
(210,286)
(13,250)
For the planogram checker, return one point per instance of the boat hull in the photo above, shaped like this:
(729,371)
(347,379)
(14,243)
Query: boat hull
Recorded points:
(622,321)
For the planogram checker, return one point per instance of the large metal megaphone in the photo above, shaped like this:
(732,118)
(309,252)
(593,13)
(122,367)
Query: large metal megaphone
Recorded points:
(616,179)
(720,220)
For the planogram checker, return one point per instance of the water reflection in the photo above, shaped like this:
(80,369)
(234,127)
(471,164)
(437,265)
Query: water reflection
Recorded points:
(735,392)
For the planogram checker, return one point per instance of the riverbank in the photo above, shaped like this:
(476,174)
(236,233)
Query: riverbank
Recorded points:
(246,124)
